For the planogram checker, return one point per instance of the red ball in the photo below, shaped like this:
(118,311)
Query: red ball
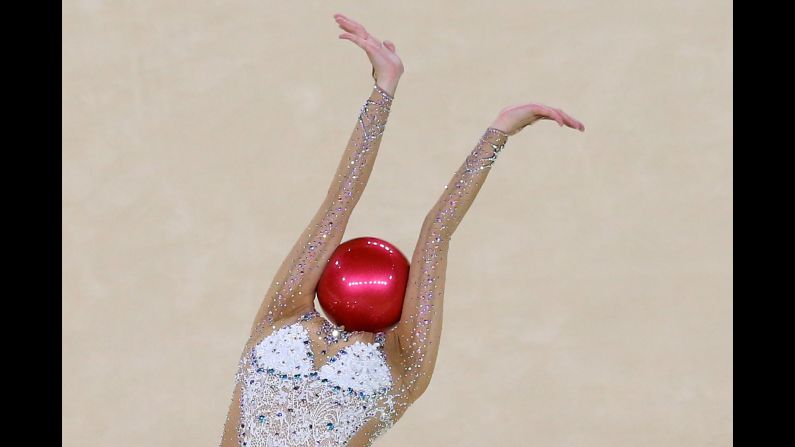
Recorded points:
(363,285)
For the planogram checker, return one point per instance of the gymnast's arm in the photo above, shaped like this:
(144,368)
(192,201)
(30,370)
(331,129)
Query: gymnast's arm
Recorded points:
(419,329)
(292,290)
(418,333)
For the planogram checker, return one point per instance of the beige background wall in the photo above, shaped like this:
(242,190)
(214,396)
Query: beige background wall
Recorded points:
(588,299)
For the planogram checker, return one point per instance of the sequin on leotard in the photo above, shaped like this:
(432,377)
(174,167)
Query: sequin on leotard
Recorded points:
(286,401)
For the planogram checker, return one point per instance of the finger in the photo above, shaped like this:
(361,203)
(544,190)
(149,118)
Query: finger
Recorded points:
(352,27)
(566,119)
(389,45)
(347,26)
(343,16)
(571,122)
(339,16)
(577,124)
(363,44)
(353,38)
(551,114)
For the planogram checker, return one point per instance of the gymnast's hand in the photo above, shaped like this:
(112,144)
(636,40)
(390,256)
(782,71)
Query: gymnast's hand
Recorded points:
(512,119)
(387,66)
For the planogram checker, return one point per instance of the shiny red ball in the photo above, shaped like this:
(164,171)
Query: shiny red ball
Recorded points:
(363,285)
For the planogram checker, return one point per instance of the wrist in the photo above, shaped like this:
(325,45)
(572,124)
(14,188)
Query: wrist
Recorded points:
(388,84)
(501,125)
(495,135)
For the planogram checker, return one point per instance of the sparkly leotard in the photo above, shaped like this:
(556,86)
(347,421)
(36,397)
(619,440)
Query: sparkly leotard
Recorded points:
(288,395)
(286,401)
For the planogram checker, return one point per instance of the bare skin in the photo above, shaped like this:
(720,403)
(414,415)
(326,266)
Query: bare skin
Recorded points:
(411,346)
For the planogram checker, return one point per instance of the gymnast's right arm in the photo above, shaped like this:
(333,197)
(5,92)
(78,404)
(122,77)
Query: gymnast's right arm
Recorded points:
(292,290)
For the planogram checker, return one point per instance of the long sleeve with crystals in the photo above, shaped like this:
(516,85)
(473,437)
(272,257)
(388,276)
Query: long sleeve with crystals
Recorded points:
(292,291)
(420,326)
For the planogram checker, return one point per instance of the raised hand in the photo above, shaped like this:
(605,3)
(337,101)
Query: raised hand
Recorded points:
(387,66)
(512,119)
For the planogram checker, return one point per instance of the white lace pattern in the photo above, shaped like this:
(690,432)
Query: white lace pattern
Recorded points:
(286,402)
